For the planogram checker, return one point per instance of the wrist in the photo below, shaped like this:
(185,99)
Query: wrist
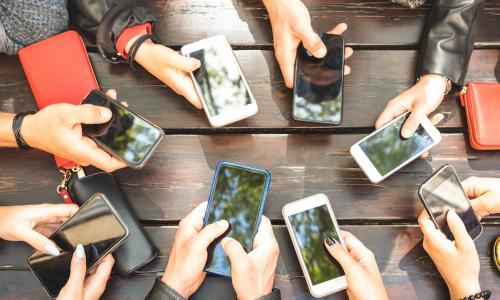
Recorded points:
(465,289)
(7,137)
(28,131)
(440,82)
(173,282)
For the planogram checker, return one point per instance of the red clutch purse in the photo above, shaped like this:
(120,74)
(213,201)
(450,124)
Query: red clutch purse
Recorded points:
(482,107)
(59,71)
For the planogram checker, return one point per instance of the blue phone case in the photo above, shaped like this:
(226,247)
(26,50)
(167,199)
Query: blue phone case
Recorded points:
(262,203)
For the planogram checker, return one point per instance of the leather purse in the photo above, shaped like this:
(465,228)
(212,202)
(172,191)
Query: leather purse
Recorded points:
(137,250)
(482,106)
(59,71)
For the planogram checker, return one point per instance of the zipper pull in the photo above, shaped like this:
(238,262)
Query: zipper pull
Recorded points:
(80,173)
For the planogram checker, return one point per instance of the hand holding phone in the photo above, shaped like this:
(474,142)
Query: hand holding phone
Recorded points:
(238,195)
(127,136)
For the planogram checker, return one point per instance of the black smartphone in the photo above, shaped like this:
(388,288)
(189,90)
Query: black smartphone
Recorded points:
(443,192)
(319,83)
(127,136)
(100,230)
(238,195)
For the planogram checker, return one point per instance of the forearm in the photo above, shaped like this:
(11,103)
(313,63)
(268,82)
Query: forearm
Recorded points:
(449,40)
(7,138)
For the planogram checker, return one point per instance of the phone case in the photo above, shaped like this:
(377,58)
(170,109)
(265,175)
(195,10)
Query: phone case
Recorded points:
(482,104)
(261,209)
(138,250)
(59,71)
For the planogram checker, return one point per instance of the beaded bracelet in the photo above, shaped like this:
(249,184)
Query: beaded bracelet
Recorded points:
(483,294)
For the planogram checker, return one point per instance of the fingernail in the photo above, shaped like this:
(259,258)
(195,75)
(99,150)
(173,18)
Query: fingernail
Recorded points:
(80,252)
(223,223)
(321,52)
(197,64)
(51,249)
(105,113)
(330,240)
(452,214)
(406,133)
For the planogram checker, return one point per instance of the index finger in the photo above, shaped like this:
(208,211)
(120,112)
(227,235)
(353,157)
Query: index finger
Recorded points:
(97,157)
(265,233)
(195,218)
(286,53)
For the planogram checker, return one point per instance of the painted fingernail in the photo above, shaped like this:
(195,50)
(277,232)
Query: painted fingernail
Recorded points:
(330,240)
(321,52)
(406,133)
(105,113)
(51,249)
(80,252)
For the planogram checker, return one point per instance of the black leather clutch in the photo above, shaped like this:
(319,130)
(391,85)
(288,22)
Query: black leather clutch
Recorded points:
(137,250)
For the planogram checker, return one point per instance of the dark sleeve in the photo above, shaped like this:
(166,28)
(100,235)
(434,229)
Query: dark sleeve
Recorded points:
(106,20)
(161,291)
(449,38)
(274,295)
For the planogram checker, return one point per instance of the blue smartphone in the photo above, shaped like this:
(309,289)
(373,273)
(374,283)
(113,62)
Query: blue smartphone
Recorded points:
(238,195)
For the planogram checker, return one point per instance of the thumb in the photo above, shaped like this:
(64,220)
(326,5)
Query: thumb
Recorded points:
(338,252)
(40,242)
(78,271)
(177,61)
(312,42)
(457,227)
(90,114)
(234,251)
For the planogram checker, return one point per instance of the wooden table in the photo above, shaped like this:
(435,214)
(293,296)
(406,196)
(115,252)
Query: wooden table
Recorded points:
(303,158)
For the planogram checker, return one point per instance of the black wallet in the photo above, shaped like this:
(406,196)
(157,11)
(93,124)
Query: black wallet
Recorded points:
(137,250)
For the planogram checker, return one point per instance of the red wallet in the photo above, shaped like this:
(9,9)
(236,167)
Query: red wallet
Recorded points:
(482,107)
(59,71)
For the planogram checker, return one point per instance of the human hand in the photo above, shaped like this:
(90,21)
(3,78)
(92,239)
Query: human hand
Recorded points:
(81,287)
(291,25)
(184,271)
(171,68)
(360,267)
(484,194)
(29,223)
(457,261)
(421,99)
(252,273)
(57,129)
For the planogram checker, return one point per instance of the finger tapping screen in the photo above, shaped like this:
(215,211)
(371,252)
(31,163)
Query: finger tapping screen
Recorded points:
(387,149)
(445,193)
(310,228)
(94,226)
(237,198)
(318,91)
(128,135)
(220,80)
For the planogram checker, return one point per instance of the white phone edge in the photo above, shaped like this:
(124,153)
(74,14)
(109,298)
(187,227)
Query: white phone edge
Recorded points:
(327,287)
(228,117)
(367,166)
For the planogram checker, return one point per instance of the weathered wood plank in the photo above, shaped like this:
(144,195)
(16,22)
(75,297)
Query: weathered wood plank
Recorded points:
(376,77)
(407,270)
(246,22)
(179,175)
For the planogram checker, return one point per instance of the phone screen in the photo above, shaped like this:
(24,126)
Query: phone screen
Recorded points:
(443,193)
(238,197)
(129,136)
(318,88)
(220,79)
(310,228)
(387,150)
(95,226)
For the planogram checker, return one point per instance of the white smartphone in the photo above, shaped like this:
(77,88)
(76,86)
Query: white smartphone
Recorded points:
(384,151)
(309,222)
(220,82)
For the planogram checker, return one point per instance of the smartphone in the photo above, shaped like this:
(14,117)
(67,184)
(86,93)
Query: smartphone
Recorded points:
(238,195)
(309,221)
(127,136)
(220,82)
(443,192)
(384,151)
(319,83)
(96,225)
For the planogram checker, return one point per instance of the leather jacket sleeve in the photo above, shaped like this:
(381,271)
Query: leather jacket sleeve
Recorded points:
(106,20)
(449,38)
(161,291)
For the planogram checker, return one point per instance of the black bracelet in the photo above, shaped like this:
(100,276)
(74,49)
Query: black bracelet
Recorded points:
(16,128)
(483,294)
(135,47)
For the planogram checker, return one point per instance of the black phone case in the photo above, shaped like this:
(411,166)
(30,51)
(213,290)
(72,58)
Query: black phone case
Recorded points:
(137,250)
